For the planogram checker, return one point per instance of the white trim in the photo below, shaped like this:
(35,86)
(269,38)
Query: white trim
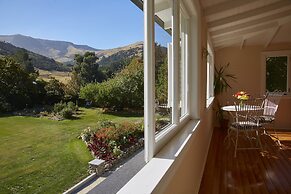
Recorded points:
(170,81)
(194,61)
(187,71)
(167,134)
(176,59)
(183,65)
(210,74)
(149,79)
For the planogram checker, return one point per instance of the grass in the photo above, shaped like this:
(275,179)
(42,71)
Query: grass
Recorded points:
(38,155)
(63,77)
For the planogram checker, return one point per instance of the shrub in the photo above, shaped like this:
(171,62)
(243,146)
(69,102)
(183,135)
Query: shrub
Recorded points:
(4,106)
(71,105)
(66,113)
(86,134)
(65,110)
(58,107)
(111,140)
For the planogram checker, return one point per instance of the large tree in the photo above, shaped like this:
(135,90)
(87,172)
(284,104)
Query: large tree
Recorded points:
(22,57)
(87,68)
(125,90)
(54,90)
(18,88)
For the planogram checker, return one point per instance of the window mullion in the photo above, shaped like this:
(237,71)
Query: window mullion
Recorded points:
(149,79)
(176,60)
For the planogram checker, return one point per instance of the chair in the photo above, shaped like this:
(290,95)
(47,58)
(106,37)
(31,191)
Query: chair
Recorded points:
(270,106)
(245,126)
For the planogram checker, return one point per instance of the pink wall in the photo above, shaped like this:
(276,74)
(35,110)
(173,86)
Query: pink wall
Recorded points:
(246,65)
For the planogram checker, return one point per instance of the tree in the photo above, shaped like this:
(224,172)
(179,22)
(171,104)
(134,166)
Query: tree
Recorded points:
(87,68)
(72,88)
(162,82)
(17,86)
(55,90)
(124,90)
(161,74)
(22,57)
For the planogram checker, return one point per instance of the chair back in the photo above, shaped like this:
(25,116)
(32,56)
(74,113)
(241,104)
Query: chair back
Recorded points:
(246,114)
(271,103)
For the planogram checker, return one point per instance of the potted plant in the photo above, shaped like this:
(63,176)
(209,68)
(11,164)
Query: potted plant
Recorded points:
(221,84)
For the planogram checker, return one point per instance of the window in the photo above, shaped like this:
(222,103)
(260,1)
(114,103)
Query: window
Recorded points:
(173,19)
(277,71)
(210,74)
(183,79)
(164,77)
(163,54)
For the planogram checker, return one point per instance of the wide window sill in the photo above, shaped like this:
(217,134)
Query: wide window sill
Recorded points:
(151,174)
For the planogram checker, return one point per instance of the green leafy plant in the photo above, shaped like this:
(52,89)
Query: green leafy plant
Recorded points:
(221,84)
(221,79)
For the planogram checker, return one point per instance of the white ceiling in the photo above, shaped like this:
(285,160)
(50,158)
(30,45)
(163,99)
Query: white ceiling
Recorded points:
(239,22)
(248,22)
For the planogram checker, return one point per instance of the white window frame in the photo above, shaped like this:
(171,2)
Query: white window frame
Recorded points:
(210,76)
(154,143)
(184,63)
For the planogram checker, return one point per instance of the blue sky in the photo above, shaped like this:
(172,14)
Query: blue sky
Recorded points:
(97,23)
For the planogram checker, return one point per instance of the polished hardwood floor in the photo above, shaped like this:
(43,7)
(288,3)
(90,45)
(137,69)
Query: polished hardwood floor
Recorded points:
(252,171)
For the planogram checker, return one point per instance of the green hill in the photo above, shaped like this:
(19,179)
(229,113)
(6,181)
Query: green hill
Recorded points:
(38,61)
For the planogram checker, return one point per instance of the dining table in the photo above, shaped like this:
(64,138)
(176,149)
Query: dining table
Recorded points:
(233,108)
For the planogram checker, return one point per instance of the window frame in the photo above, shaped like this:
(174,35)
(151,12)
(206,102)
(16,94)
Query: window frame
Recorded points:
(153,143)
(267,54)
(209,75)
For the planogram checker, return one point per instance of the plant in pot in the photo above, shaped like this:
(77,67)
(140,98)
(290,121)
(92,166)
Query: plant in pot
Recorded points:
(221,84)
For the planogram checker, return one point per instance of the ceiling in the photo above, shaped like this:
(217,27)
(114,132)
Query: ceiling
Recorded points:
(237,22)
(248,22)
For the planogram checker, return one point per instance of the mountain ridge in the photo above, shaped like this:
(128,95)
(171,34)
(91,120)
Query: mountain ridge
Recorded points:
(64,51)
(37,60)
(61,51)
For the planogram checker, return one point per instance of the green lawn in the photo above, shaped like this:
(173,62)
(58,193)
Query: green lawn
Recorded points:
(38,155)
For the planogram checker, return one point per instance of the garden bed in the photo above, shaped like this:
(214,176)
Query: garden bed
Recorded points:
(113,142)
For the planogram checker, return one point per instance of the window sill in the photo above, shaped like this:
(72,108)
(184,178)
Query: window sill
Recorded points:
(160,164)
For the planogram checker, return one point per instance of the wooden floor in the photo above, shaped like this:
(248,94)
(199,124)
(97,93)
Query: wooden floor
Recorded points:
(252,171)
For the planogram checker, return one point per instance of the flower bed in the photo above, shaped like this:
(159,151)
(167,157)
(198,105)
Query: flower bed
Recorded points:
(113,141)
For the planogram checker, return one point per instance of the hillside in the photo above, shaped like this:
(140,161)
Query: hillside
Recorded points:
(112,56)
(38,61)
(60,51)
(110,60)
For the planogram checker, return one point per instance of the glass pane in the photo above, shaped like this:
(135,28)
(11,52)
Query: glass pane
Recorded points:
(276,73)
(183,62)
(162,58)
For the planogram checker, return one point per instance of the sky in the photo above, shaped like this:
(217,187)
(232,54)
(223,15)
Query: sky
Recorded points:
(101,24)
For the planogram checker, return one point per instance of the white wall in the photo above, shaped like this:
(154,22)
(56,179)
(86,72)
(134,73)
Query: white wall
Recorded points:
(186,173)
